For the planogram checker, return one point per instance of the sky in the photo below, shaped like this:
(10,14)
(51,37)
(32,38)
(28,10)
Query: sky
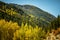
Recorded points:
(50,6)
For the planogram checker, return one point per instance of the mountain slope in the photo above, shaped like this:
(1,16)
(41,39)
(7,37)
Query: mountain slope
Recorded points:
(25,14)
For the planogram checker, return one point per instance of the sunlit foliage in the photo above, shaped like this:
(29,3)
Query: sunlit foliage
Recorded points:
(11,31)
(9,11)
(7,29)
(27,32)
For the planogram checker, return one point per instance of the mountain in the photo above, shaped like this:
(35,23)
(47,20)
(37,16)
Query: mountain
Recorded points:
(25,14)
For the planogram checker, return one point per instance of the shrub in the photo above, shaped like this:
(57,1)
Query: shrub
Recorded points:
(7,29)
(27,32)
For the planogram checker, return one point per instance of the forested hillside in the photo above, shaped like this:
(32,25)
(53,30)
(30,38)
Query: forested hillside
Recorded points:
(26,14)
(26,22)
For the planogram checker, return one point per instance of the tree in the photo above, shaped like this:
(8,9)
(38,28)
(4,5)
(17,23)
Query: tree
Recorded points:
(29,33)
(7,29)
(55,23)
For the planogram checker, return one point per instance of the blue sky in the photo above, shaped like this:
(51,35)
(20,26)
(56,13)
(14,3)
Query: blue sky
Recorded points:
(51,6)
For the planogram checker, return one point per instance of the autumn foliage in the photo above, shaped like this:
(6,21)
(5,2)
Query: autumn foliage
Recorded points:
(11,31)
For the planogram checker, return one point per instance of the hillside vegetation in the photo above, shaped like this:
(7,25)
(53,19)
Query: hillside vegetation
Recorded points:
(26,14)
(26,22)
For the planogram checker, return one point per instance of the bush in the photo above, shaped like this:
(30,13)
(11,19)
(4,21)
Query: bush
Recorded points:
(11,31)
(27,32)
(7,29)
